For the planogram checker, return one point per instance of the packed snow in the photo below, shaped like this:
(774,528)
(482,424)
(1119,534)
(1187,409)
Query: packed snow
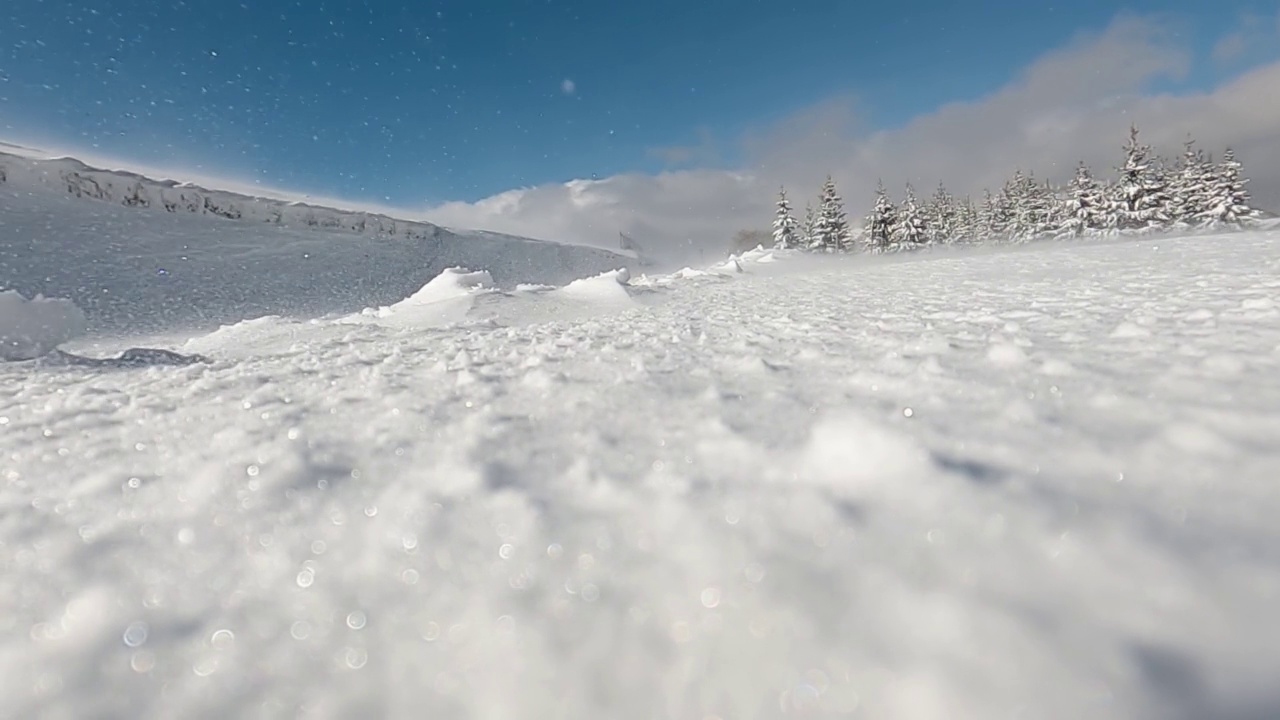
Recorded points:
(1026,482)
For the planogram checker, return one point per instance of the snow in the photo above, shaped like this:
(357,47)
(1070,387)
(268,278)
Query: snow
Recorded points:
(31,328)
(938,485)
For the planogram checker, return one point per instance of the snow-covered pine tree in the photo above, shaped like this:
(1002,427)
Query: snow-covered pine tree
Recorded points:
(831,230)
(1141,191)
(807,227)
(1189,187)
(910,231)
(1228,198)
(1031,207)
(1003,212)
(820,234)
(877,233)
(967,222)
(1017,203)
(786,231)
(1055,210)
(1085,205)
(941,217)
(985,227)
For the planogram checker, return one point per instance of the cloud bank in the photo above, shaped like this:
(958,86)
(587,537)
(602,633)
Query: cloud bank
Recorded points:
(1074,103)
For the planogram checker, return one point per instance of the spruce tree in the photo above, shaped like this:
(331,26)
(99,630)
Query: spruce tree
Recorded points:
(1030,208)
(1141,193)
(967,222)
(831,229)
(942,217)
(807,227)
(911,230)
(878,229)
(1002,216)
(1228,198)
(1085,205)
(985,221)
(1055,210)
(1190,187)
(786,232)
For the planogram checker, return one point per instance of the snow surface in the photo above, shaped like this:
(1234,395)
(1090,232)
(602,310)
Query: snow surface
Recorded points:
(31,328)
(1032,483)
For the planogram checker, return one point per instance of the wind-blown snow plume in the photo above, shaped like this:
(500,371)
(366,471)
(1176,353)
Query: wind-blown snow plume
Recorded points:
(31,328)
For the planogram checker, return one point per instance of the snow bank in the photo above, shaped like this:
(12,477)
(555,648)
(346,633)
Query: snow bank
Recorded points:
(31,328)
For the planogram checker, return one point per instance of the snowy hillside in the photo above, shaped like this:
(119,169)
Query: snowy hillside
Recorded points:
(1035,482)
(137,253)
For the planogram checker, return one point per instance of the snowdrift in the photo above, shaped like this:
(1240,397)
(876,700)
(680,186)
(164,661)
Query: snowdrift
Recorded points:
(443,301)
(451,284)
(31,328)
(609,288)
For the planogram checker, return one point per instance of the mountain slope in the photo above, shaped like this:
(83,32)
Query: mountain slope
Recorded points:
(143,254)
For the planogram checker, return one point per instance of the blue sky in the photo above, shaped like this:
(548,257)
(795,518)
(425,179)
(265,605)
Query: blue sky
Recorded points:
(412,103)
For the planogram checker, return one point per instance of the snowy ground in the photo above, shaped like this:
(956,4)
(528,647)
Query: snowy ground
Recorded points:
(1035,483)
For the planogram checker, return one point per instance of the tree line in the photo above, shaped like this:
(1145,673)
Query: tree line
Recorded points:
(1146,194)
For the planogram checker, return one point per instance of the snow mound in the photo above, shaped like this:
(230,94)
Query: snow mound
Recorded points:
(247,336)
(453,283)
(732,265)
(725,269)
(765,255)
(862,459)
(1006,355)
(688,272)
(608,287)
(444,300)
(31,328)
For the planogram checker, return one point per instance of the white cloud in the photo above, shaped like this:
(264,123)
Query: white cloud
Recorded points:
(1074,103)
(1230,47)
(1252,32)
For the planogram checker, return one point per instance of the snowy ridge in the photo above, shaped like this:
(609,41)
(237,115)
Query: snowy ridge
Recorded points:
(141,255)
(128,189)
